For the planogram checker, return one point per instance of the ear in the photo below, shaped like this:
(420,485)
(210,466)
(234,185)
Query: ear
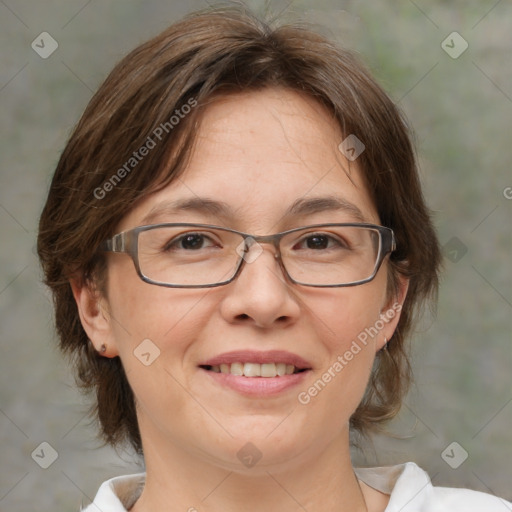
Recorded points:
(95,317)
(390,313)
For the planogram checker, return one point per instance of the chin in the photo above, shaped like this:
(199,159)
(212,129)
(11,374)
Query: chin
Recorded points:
(261,443)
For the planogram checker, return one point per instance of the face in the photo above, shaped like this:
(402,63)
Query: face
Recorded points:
(258,153)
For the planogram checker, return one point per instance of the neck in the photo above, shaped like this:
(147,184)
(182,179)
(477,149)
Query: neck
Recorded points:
(177,480)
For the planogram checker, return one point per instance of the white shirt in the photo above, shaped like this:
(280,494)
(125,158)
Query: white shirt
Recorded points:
(409,487)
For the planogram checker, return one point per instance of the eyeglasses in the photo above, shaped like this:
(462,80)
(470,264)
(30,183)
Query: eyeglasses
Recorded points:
(203,256)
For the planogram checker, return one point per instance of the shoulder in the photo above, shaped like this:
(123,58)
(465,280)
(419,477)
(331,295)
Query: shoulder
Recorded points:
(117,494)
(408,486)
(411,490)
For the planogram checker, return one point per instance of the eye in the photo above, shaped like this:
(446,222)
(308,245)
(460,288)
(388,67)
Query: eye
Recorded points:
(188,242)
(319,241)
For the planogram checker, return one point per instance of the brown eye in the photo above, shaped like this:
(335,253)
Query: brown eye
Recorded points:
(188,241)
(317,242)
(320,241)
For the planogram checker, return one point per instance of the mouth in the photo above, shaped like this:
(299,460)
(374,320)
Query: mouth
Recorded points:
(265,370)
(257,373)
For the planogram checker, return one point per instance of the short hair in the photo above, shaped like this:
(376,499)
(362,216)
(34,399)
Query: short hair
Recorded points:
(211,53)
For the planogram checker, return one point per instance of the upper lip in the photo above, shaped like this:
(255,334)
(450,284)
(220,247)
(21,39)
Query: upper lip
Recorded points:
(260,357)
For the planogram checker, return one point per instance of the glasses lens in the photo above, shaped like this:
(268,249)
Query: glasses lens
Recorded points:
(331,255)
(199,256)
(187,255)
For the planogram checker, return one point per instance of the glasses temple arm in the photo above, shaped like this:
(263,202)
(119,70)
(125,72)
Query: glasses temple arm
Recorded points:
(114,244)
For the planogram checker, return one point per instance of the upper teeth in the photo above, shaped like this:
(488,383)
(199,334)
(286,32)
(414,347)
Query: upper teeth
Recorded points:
(255,369)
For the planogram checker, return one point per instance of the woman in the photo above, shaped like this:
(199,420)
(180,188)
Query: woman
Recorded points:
(237,244)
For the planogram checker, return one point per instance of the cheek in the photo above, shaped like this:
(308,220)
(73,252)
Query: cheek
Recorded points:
(348,325)
(337,388)
(140,310)
(154,328)
(348,315)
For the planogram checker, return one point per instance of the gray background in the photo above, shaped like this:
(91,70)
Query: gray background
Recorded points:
(460,109)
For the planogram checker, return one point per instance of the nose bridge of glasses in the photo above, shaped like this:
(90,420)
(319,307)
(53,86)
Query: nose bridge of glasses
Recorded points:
(274,240)
(253,248)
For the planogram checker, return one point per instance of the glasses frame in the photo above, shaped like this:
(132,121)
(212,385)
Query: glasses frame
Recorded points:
(127,242)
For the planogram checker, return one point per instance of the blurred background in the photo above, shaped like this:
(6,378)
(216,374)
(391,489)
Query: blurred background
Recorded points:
(448,66)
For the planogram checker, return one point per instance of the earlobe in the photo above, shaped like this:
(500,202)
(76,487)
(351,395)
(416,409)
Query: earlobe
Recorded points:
(95,318)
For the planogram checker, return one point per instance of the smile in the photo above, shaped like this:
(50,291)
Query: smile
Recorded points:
(267,370)
(256,373)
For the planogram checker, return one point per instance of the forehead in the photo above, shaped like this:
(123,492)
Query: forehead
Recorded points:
(262,156)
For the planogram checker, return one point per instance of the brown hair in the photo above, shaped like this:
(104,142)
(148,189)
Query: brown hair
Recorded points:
(206,54)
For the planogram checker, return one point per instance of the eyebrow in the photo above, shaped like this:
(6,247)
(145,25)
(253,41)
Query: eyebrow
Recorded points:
(219,209)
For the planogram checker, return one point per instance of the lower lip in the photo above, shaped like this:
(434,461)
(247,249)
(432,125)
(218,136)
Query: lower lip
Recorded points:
(258,386)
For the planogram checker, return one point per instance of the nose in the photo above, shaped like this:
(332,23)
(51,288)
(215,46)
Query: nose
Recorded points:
(260,295)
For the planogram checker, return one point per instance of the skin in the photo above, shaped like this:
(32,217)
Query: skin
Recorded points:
(258,152)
